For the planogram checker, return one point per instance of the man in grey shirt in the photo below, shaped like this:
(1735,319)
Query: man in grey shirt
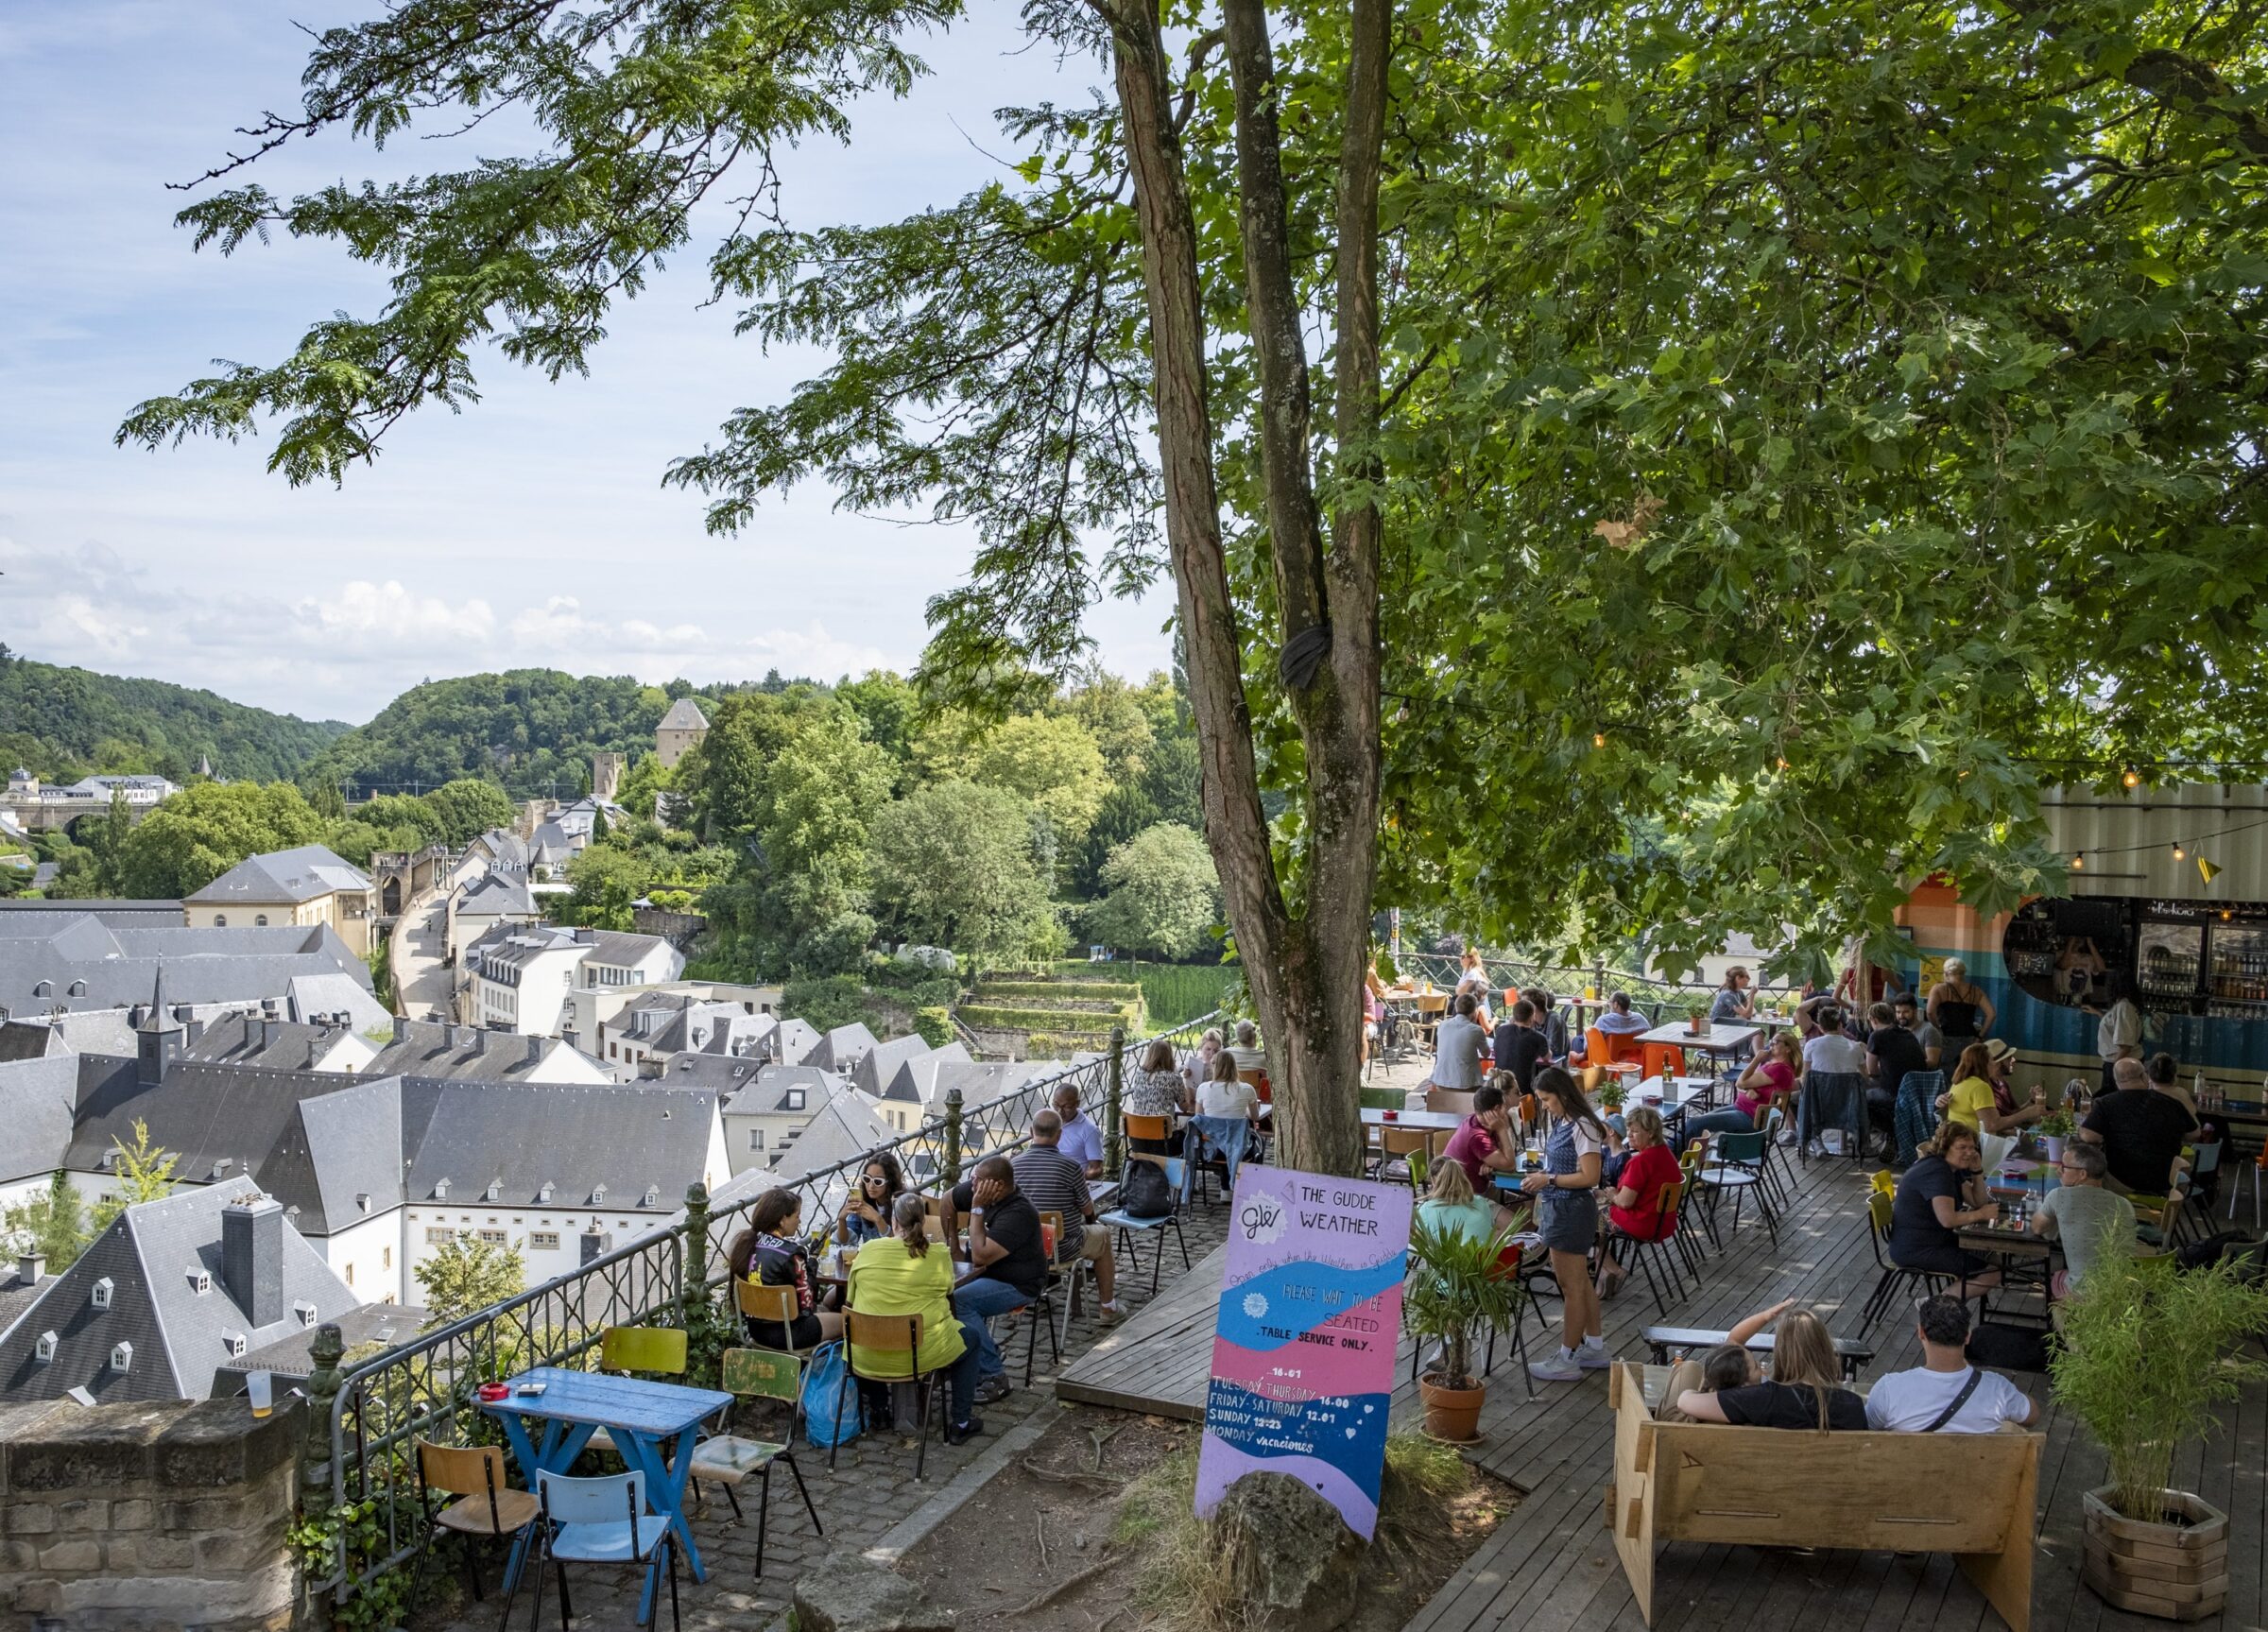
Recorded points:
(1908,1010)
(1457,1044)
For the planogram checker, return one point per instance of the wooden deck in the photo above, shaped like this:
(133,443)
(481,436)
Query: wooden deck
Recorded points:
(1550,1567)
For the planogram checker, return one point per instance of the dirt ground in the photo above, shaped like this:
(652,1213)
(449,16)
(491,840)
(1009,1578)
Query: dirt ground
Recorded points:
(1046,1522)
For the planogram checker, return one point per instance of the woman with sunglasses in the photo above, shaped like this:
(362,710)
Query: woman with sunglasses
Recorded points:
(867,1214)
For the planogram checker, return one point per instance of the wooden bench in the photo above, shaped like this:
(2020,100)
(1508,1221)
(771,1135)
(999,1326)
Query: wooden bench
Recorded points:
(1675,1342)
(1972,1495)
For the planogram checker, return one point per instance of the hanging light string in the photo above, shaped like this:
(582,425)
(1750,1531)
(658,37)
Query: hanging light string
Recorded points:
(2160,844)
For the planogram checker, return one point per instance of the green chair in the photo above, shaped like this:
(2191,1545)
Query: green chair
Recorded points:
(727,1458)
(627,1349)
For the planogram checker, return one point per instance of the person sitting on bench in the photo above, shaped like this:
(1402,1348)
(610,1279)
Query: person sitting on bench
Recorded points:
(1805,1387)
(1945,1394)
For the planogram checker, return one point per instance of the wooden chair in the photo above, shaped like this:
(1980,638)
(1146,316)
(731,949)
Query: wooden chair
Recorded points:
(1972,1495)
(1643,1250)
(777,1304)
(1432,1006)
(488,1509)
(1147,1130)
(1061,1274)
(622,1350)
(886,1349)
(1404,1154)
(1457,1102)
(1894,1276)
(942,1222)
(727,1458)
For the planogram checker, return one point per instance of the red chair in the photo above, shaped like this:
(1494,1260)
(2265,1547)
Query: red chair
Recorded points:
(1606,1050)
(1661,1055)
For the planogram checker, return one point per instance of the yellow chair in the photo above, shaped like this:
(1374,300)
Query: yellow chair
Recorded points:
(626,1349)
(727,1458)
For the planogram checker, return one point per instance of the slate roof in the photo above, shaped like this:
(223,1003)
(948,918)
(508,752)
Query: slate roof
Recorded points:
(682,1021)
(36,1100)
(283,1044)
(31,915)
(726,1074)
(117,963)
(873,1069)
(684,715)
(841,1048)
(574,1136)
(26,1040)
(180,1335)
(504,847)
(497,893)
(792,1042)
(290,1355)
(764,1092)
(926,1082)
(286,875)
(462,1054)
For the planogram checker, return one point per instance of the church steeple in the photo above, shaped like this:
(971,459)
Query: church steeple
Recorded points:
(158,1039)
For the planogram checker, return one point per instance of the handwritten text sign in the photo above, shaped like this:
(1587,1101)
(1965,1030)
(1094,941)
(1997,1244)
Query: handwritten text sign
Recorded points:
(1303,1348)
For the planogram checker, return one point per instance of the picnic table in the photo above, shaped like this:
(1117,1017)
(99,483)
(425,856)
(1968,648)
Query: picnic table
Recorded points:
(1717,1040)
(642,1418)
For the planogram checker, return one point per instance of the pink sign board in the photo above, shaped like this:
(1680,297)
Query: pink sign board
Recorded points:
(1303,1346)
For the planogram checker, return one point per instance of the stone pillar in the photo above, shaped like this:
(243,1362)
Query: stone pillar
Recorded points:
(1115,1155)
(693,1263)
(316,1472)
(953,1136)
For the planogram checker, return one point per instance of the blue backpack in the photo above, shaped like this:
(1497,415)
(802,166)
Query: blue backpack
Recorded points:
(824,1384)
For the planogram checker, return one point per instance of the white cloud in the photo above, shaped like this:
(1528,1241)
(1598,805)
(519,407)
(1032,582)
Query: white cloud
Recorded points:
(386,616)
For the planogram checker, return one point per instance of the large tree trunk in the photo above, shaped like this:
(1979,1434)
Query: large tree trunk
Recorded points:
(1304,967)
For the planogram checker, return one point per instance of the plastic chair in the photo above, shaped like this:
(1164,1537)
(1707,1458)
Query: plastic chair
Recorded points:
(627,1349)
(1404,1155)
(886,1349)
(1656,1057)
(1894,1276)
(1609,1049)
(1130,1227)
(1644,1250)
(727,1458)
(488,1509)
(578,1526)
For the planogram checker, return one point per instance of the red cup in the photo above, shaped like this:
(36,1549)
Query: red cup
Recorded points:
(493,1391)
(1391,1115)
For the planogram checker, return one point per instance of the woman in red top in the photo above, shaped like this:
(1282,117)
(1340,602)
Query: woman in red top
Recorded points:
(1771,1080)
(1635,1209)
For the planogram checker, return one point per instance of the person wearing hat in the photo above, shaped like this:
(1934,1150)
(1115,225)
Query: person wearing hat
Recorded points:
(1958,1010)
(1982,1097)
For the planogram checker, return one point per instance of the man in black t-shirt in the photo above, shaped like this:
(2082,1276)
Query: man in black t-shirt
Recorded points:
(1519,1047)
(1007,1260)
(2141,1131)
(1891,1052)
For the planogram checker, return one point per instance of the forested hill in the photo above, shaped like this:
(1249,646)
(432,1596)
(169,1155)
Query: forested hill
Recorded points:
(63,723)
(532,729)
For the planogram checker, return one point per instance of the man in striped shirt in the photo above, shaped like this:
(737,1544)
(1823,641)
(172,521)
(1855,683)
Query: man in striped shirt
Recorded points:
(1052,1182)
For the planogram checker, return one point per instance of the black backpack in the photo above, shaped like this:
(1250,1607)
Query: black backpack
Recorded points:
(1146,1193)
(2008,1347)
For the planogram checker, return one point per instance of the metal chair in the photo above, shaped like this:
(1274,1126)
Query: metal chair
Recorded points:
(622,1350)
(777,1304)
(727,1458)
(488,1509)
(577,1525)
(1404,1155)
(1894,1276)
(1739,1167)
(1129,1227)
(1066,1275)
(1643,1250)
(886,1349)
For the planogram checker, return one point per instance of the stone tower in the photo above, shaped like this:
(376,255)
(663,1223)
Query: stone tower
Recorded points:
(683,727)
(606,777)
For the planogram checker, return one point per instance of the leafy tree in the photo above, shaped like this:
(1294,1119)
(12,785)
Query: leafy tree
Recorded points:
(466,807)
(63,723)
(1163,897)
(105,841)
(607,884)
(328,802)
(1052,761)
(888,708)
(203,830)
(648,784)
(953,866)
(465,1274)
(1800,429)
(143,1172)
(1113,712)
(52,1221)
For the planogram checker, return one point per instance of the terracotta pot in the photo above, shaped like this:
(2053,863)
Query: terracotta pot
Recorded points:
(1450,1414)
(2176,1571)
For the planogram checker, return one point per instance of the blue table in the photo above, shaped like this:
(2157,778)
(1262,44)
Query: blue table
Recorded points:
(641,1417)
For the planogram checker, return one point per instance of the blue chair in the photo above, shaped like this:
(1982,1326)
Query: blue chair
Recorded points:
(1129,1227)
(579,1523)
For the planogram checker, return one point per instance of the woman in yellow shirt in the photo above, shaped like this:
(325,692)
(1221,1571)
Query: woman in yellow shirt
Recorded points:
(900,1274)
(1981,1097)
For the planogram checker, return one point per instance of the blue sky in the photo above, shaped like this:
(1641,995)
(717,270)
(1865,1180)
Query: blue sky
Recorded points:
(531,529)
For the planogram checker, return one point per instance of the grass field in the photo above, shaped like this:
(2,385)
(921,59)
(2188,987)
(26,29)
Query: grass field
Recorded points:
(1172,993)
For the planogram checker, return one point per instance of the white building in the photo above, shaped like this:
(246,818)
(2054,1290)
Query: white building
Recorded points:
(518,976)
(588,1011)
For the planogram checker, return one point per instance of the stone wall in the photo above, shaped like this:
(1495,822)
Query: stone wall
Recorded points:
(148,1516)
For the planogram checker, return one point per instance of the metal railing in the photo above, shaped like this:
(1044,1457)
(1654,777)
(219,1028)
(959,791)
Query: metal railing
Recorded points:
(424,1388)
(1647,992)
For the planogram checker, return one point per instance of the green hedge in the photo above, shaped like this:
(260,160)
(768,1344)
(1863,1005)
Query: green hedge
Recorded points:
(1047,990)
(1065,1043)
(990,1017)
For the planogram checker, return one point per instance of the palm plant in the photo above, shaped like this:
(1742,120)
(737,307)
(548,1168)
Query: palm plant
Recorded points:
(1459,1289)
(2147,1353)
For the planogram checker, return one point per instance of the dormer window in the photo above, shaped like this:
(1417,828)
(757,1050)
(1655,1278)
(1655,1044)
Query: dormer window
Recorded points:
(102,1293)
(440,1189)
(122,1358)
(200,1280)
(44,988)
(543,1192)
(795,1099)
(235,1343)
(496,1189)
(78,989)
(43,1350)
(599,1195)
(305,1312)
(653,1195)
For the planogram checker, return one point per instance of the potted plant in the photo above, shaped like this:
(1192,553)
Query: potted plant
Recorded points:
(1612,1093)
(2146,1355)
(1464,1284)
(1698,1015)
(2053,1128)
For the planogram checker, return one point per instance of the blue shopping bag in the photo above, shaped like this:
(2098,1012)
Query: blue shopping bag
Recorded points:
(823,1383)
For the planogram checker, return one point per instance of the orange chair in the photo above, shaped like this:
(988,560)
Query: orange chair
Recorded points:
(1662,1056)
(1606,1050)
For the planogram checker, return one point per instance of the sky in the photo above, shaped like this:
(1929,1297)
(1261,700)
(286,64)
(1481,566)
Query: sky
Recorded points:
(531,530)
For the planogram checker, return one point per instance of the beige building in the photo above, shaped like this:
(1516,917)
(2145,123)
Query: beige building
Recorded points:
(682,729)
(308,885)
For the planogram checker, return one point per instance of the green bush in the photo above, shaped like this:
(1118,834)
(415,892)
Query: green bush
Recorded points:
(1109,992)
(988,1017)
(1063,1044)
(934,1026)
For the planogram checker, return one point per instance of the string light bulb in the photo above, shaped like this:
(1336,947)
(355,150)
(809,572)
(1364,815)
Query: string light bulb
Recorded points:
(2132,779)
(1598,739)
(2079,861)
(2179,855)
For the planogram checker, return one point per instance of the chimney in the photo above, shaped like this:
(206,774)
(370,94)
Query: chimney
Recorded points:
(251,1257)
(480,1041)
(535,1051)
(193,1029)
(586,935)
(31,1267)
(401,1028)
(595,1243)
(262,1023)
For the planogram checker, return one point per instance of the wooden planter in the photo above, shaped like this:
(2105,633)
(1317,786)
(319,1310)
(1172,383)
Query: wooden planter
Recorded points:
(2173,1572)
(1452,1414)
